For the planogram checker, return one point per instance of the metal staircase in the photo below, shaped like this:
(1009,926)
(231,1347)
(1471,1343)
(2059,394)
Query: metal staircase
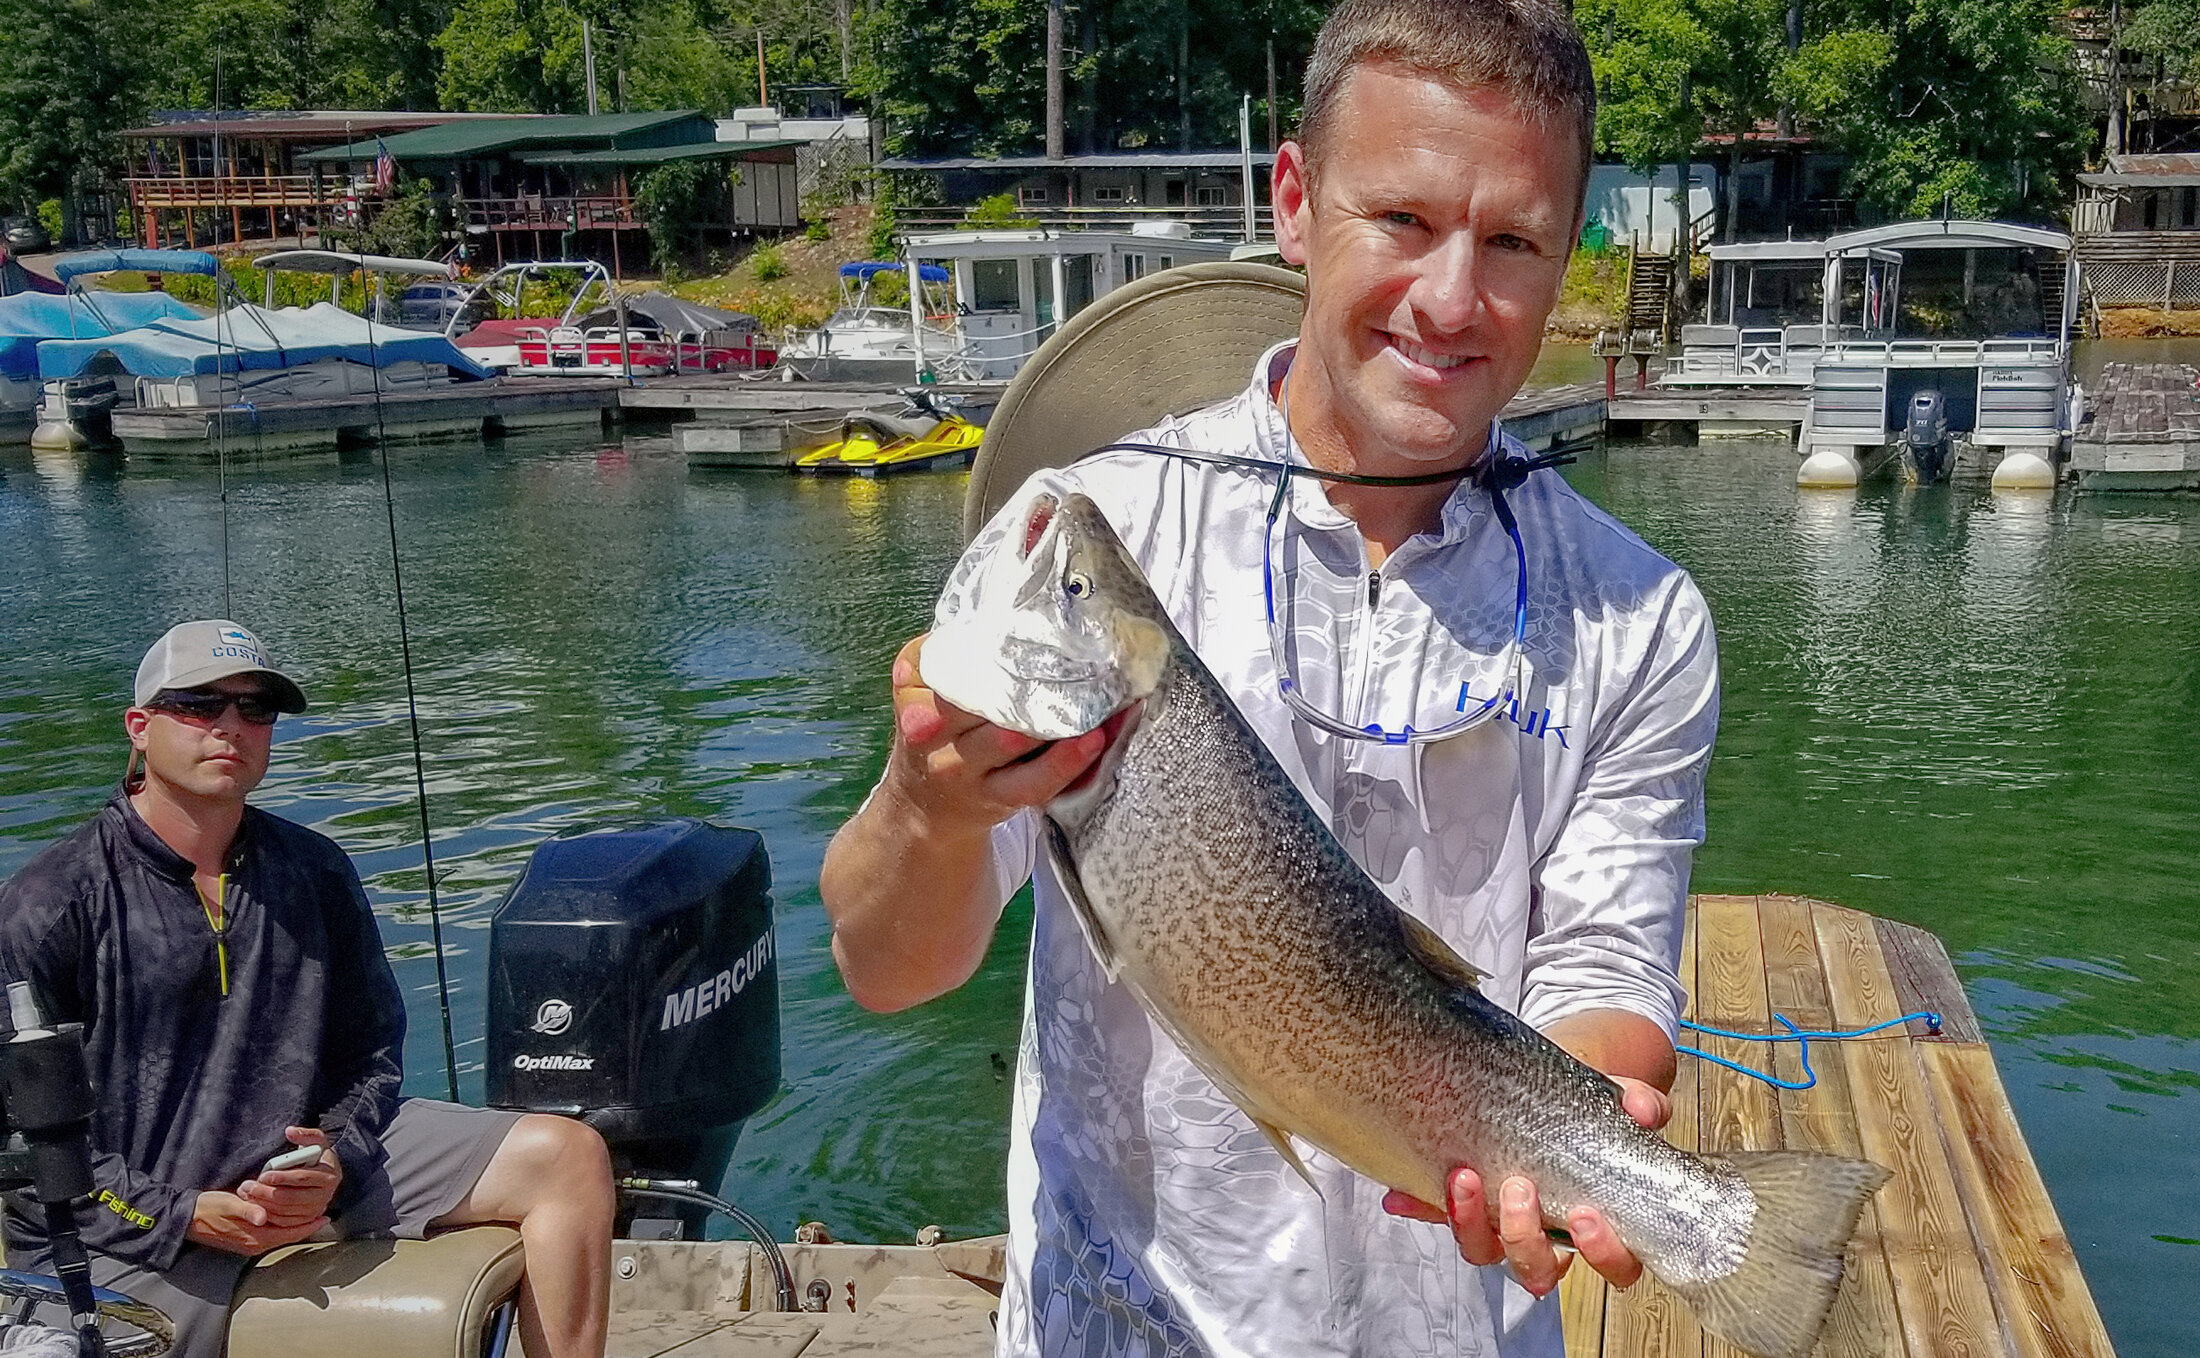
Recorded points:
(1649,319)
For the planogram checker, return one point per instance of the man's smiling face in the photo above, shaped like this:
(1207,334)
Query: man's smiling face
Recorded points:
(1435,232)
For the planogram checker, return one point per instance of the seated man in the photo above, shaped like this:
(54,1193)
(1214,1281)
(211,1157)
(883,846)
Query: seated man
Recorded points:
(237,1006)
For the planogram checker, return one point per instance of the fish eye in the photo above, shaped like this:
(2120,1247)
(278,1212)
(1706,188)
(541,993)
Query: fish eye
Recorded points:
(1076,585)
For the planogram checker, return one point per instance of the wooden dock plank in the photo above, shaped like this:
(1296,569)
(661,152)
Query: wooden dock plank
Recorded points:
(1924,978)
(1939,1283)
(1864,1323)
(1646,1320)
(1737,1112)
(1581,1296)
(2045,1308)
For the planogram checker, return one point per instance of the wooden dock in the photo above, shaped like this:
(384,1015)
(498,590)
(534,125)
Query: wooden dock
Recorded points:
(2141,429)
(1961,1254)
(728,395)
(459,410)
(1543,416)
(1711,410)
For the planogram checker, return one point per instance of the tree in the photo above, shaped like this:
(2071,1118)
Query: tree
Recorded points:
(1969,104)
(68,77)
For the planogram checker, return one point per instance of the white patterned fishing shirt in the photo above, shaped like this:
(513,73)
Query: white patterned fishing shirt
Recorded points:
(1148,1216)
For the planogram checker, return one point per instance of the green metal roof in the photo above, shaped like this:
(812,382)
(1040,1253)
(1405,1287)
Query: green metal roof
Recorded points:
(652,155)
(488,136)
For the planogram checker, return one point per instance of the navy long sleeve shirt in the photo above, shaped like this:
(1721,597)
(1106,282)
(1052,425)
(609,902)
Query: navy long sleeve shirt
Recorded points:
(204,1047)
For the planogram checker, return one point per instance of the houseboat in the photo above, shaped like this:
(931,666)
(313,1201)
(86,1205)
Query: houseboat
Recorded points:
(986,300)
(1944,344)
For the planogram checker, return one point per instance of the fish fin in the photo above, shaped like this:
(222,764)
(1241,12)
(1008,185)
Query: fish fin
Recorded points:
(1103,947)
(1436,954)
(1776,1302)
(1281,1140)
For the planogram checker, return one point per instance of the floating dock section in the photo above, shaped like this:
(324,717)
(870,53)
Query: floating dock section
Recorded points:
(459,410)
(2141,431)
(1961,1253)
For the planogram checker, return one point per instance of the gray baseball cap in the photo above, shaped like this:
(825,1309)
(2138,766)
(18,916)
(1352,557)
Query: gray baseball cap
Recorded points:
(194,653)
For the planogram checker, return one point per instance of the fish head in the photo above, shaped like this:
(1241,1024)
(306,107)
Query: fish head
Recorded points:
(1048,628)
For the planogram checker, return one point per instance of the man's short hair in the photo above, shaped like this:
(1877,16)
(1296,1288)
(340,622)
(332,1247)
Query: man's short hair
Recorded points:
(1527,49)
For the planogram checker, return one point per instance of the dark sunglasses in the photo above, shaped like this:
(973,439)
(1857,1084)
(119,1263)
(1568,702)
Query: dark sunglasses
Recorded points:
(206,704)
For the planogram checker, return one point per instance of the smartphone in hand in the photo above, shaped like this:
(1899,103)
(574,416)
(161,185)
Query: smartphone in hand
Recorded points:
(297,1157)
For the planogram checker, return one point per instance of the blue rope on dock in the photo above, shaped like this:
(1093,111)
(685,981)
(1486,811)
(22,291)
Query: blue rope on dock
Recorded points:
(1802,1037)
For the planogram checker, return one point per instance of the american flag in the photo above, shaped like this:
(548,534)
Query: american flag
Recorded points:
(385,167)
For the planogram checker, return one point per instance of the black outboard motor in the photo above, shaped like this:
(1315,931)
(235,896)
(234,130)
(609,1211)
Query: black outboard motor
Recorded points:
(634,984)
(1925,442)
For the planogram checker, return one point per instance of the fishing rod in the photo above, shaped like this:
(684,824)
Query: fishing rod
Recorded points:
(412,698)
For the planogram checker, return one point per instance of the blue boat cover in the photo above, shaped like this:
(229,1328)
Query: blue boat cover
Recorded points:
(26,318)
(148,261)
(251,338)
(871,268)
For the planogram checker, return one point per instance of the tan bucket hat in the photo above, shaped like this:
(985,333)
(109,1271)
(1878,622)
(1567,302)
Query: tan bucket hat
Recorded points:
(1167,344)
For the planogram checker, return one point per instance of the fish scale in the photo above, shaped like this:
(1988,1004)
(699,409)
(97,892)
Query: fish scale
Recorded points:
(1210,889)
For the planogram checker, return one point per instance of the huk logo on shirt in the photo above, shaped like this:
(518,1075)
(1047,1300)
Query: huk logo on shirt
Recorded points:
(1537,724)
(554,1017)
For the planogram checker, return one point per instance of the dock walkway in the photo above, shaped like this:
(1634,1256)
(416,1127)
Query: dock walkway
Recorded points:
(2141,431)
(1959,1256)
(1961,1253)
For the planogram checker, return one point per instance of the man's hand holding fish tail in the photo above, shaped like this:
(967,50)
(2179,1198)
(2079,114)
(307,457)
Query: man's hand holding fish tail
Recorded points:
(902,880)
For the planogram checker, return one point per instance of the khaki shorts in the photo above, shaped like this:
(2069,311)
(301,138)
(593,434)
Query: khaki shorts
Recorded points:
(435,1152)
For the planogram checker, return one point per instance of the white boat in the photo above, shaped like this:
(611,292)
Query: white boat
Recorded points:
(1944,342)
(241,358)
(988,300)
(863,341)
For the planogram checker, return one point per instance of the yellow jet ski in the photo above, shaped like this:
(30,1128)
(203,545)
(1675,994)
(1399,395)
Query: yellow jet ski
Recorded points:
(953,442)
(856,449)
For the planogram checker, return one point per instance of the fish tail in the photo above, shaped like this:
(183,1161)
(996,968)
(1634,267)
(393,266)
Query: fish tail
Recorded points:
(1776,1303)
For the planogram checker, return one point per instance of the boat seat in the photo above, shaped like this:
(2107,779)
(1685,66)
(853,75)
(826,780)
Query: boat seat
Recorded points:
(429,1298)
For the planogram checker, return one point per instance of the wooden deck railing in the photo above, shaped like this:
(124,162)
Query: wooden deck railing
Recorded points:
(1206,221)
(546,212)
(229,190)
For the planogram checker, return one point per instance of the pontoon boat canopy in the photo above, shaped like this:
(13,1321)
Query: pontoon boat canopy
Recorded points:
(673,315)
(246,338)
(28,319)
(338,262)
(146,261)
(1949,235)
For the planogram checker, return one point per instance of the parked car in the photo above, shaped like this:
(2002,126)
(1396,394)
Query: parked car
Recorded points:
(430,306)
(23,233)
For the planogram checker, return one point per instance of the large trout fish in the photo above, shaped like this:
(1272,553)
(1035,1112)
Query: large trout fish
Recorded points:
(1208,886)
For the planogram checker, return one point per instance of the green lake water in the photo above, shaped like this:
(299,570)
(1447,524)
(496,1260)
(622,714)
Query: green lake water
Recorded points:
(1972,715)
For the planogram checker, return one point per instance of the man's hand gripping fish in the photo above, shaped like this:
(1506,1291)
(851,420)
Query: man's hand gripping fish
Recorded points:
(1207,885)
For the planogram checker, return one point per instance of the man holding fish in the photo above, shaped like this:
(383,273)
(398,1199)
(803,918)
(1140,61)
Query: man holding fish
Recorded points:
(1499,701)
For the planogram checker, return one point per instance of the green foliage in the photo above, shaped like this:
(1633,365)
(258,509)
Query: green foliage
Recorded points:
(997,213)
(49,217)
(878,242)
(1975,103)
(67,77)
(512,56)
(768,264)
(969,76)
(411,225)
(817,229)
(675,196)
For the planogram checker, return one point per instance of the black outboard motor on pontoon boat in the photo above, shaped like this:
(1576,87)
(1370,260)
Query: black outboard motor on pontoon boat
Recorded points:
(634,984)
(1925,441)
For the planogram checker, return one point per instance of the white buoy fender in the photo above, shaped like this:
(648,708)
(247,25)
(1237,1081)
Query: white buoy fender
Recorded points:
(2024,471)
(1829,467)
(58,436)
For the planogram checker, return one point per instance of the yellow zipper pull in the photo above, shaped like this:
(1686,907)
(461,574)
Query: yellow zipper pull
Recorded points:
(221,935)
